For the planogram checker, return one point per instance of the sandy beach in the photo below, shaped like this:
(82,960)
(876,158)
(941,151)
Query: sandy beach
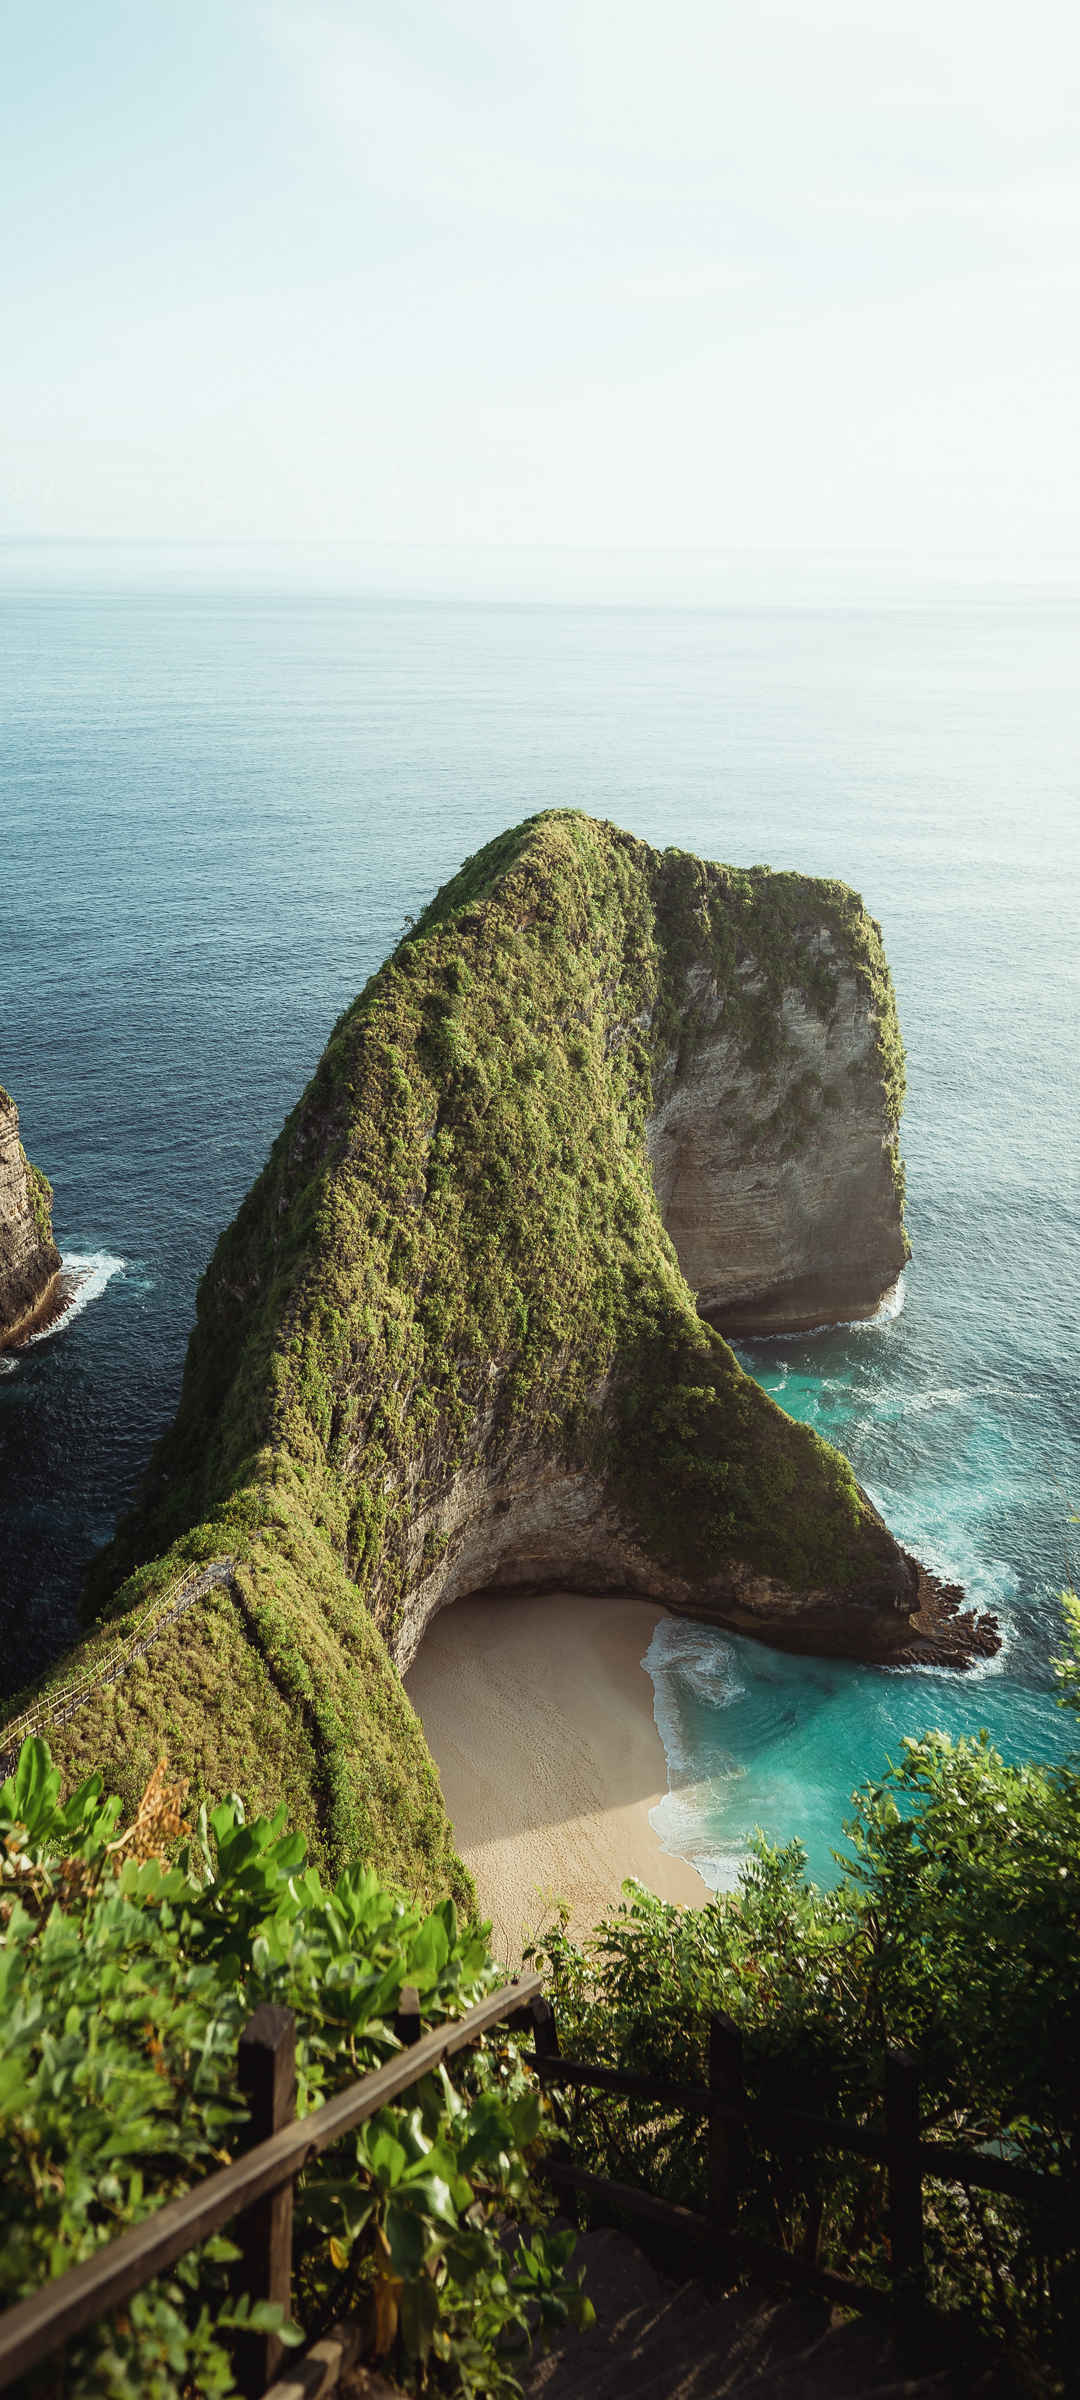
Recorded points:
(539,1716)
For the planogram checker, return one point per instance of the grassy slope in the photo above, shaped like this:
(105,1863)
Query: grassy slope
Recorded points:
(459,1217)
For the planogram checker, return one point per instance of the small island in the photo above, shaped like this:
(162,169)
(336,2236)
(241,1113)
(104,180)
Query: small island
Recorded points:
(466,1334)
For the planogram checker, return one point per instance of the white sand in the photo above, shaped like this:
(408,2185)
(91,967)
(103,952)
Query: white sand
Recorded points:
(539,1716)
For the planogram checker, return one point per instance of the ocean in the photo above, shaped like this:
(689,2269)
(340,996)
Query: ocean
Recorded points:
(219,805)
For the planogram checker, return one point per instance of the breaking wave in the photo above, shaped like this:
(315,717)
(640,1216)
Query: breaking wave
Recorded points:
(86,1275)
(691,1663)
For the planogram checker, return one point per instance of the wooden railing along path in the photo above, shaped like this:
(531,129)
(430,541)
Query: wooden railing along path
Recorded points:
(256,2189)
(898,2145)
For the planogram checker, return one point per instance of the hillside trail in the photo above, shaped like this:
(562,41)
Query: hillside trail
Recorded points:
(656,2338)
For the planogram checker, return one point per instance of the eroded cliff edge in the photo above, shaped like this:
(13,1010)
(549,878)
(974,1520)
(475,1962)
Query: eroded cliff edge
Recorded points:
(774,1132)
(448,1343)
(29,1258)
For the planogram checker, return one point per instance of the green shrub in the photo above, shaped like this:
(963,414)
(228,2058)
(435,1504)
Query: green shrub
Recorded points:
(129,1963)
(954,1931)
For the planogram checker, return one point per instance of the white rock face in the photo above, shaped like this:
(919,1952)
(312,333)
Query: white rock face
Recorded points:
(29,1265)
(778,1189)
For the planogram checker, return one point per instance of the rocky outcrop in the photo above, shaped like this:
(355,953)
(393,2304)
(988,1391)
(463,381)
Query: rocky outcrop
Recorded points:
(781,1187)
(453,1340)
(29,1258)
(540,1528)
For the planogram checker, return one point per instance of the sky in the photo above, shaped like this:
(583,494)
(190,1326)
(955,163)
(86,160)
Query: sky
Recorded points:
(644,277)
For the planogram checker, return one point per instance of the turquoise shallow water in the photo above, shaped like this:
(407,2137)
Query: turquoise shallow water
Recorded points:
(759,1740)
(217,808)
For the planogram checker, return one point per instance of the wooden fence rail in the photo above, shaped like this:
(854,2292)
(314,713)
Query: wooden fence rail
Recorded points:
(734,2118)
(256,2187)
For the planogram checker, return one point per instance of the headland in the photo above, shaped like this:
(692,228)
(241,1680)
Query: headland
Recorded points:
(462,1335)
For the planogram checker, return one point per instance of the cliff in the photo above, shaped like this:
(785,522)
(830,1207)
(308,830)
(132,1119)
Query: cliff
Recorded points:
(450,1343)
(29,1258)
(773,1133)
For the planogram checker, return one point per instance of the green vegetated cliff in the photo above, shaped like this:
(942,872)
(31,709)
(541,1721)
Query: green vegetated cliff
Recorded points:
(452,1282)
(132,1957)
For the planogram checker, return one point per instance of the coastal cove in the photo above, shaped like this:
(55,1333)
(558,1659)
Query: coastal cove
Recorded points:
(550,1796)
(956,1413)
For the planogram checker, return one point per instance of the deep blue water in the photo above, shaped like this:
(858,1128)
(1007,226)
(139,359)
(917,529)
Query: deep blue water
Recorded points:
(217,809)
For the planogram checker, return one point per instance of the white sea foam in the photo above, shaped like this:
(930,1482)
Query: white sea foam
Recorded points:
(892,1407)
(683,1654)
(679,1820)
(888,1307)
(85,1275)
(886,1312)
(986,1583)
(690,1660)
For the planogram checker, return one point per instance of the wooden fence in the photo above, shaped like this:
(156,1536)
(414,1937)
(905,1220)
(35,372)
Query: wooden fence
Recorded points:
(734,2119)
(256,2189)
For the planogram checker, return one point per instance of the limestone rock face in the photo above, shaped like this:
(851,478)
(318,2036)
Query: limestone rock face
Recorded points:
(29,1258)
(780,1188)
(459,1335)
(541,1527)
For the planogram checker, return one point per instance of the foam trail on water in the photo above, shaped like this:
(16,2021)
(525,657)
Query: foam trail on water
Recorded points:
(956,1554)
(888,1307)
(685,1656)
(702,1657)
(86,1275)
(679,1822)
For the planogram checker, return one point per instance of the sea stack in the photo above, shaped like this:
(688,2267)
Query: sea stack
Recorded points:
(29,1258)
(774,1132)
(458,1338)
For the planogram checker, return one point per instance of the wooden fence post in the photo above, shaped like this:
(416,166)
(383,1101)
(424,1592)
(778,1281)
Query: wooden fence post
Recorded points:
(546,2045)
(266,2073)
(905,2178)
(545,2037)
(407,2025)
(727,2136)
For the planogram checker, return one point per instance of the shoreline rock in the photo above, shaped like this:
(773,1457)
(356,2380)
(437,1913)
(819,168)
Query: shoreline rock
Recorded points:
(813,1304)
(775,1148)
(30,1265)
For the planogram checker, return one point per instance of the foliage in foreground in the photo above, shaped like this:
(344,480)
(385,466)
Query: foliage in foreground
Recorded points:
(954,1931)
(129,1963)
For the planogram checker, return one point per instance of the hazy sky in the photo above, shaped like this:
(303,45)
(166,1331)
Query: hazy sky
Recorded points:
(798,277)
